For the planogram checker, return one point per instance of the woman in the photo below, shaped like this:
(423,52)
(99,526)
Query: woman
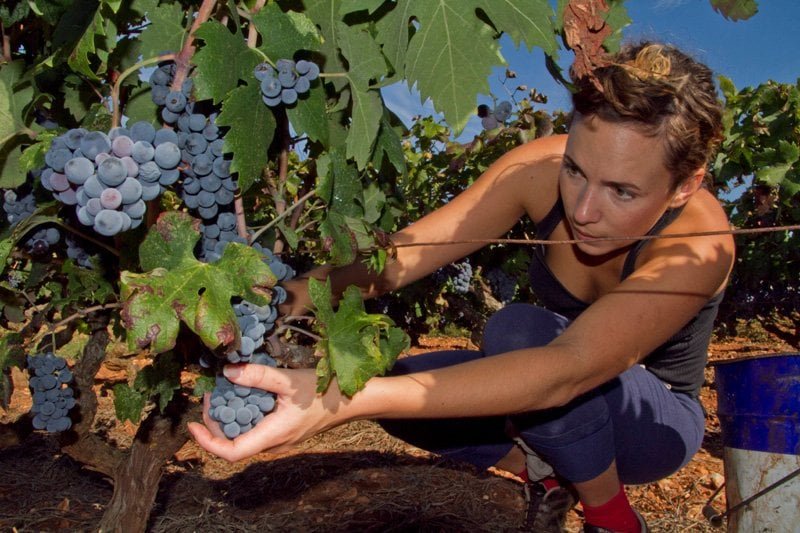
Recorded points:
(600,389)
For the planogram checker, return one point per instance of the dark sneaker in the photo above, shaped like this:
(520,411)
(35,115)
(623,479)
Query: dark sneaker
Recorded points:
(546,510)
(589,528)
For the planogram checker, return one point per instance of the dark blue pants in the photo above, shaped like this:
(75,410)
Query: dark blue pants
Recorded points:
(634,419)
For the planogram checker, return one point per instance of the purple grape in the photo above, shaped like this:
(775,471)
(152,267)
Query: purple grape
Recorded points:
(143,151)
(122,146)
(111,172)
(93,143)
(143,131)
(108,222)
(176,101)
(111,198)
(288,96)
(167,155)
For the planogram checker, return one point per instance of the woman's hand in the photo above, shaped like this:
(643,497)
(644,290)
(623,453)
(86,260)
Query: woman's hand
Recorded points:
(299,413)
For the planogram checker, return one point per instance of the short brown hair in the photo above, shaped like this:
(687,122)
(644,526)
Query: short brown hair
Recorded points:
(664,91)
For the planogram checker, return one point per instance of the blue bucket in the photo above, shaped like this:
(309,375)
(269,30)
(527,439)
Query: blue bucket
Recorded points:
(758,404)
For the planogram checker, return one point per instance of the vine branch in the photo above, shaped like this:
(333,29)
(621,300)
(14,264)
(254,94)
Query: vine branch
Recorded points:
(52,328)
(117,114)
(284,214)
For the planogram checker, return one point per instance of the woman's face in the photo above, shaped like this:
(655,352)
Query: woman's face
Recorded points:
(613,182)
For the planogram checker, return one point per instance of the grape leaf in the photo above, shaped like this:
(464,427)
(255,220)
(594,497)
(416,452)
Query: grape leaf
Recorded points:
(161,379)
(128,403)
(223,60)
(392,32)
(140,105)
(365,64)
(340,186)
(245,114)
(351,6)
(99,39)
(325,15)
(182,289)
(388,144)
(165,31)
(283,34)
(310,116)
(13,99)
(11,173)
(525,21)
(450,58)
(355,345)
(85,285)
(735,9)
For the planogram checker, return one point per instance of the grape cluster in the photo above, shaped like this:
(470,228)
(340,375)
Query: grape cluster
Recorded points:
(285,82)
(161,93)
(78,254)
(16,208)
(238,408)
(504,286)
(492,118)
(460,279)
(52,396)
(109,177)
(40,242)
(207,181)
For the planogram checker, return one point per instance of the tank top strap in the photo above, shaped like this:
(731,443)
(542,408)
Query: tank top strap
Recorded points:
(546,226)
(666,219)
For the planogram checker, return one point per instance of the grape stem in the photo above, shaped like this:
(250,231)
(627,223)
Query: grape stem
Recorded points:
(186,53)
(287,327)
(53,328)
(116,116)
(283,215)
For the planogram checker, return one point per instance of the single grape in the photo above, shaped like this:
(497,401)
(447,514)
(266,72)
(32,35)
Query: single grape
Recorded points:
(122,146)
(73,137)
(169,117)
(150,191)
(93,206)
(302,86)
(135,210)
(56,159)
(164,135)
(108,222)
(59,182)
(158,94)
(176,101)
(143,131)
(93,143)
(196,144)
(263,70)
(197,122)
(149,172)
(92,187)
(288,96)
(78,170)
(143,151)
(130,190)
(167,155)
(111,172)
(202,165)
(111,198)
(169,177)
(210,182)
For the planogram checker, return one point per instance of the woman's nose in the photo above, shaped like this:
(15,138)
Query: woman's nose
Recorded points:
(586,208)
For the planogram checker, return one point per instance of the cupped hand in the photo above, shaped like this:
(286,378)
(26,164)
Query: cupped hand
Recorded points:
(299,413)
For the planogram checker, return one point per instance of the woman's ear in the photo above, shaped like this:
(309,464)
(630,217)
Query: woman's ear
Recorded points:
(687,188)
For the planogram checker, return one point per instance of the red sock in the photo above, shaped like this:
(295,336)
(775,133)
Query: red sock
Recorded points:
(549,482)
(616,515)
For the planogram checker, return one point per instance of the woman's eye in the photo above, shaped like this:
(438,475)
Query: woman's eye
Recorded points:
(622,193)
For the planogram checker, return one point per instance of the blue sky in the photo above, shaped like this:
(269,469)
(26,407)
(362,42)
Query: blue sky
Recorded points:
(767,46)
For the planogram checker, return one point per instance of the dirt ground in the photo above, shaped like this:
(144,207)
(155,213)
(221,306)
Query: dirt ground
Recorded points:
(353,478)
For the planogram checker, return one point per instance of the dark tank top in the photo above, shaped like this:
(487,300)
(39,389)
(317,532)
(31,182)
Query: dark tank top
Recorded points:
(680,361)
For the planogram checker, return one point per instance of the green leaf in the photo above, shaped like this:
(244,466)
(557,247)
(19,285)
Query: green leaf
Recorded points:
(365,64)
(252,127)
(165,31)
(356,346)
(351,6)
(161,379)
(325,15)
(195,293)
(616,17)
(5,251)
(309,116)
(11,15)
(525,21)
(450,58)
(727,87)
(374,200)
(140,105)
(774,174)
(11,173)
(735,10)
(128,403)
(13,99)
(221,62)
(342,242)
(171,244)
(389,144)
(392,32)
(85,285)
(203,384)
(98,40)
(283,34)
(366,118)
(33,156)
